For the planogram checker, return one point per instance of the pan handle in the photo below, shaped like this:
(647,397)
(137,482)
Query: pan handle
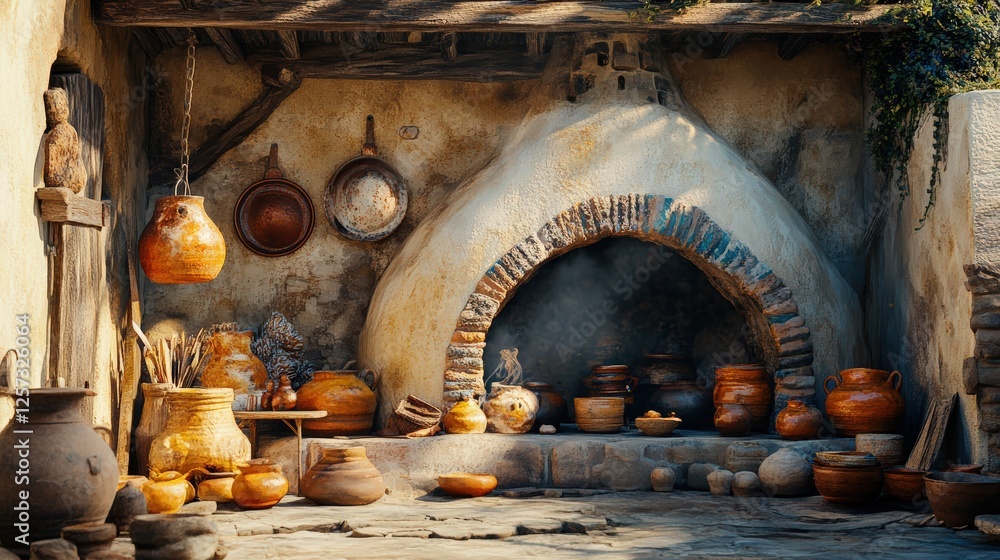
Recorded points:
(369,149)
(272,164)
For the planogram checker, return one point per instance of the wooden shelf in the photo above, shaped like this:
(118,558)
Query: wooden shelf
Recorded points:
(63,205)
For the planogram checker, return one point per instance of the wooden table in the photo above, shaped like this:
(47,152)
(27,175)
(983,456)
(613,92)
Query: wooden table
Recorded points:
(292,418)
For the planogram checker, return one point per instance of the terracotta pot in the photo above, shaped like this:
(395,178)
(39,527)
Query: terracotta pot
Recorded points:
(73,473)
(465,418)
(181,244)
(467,485)
(552,409)
(733,420)
(349,402)
(745,456)
(216,490)
(867,401)
(232,363)
(957,498)
(687,399)
(905,485)
(343,477)
(848,485)
(746,384)
(786,473)
(259,485)
(664,368)
(200,432)
(510,409)
(611,381)
(799,421)
(152,421)
(600,415)
(167,492)
(887,448)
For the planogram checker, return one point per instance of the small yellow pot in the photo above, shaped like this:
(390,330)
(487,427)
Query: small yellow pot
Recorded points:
(167,492)
(216,490)
(259,485)
(465,418)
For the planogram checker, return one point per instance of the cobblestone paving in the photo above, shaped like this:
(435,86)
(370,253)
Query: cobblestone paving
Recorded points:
(614,525)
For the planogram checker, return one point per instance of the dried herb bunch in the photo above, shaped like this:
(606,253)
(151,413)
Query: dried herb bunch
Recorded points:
(178,360)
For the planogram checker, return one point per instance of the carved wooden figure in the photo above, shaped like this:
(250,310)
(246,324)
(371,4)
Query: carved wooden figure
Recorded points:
(63,162)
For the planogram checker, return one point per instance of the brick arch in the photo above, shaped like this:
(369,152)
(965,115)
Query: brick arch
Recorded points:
(777,329)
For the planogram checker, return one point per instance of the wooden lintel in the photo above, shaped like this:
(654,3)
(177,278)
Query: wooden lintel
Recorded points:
(518,16)
(64,206)
(227,43)
(281,84)
(411,63)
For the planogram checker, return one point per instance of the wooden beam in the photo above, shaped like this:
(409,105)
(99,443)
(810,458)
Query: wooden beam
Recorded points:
(519,16)
(411,63)
(62,205)
(281,83)
(449,45)
(227,43)
(288,43)
(535,43)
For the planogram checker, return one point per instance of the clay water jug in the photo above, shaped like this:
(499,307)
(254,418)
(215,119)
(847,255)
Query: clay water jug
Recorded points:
(510,409)
(865,401)
(343,477)
(552,408)
(181,244)
(259,485)
(200,432)
(465,418)
(746,384)
(348,401)
(232,363)
(73,474)
(152,421)
(799,421)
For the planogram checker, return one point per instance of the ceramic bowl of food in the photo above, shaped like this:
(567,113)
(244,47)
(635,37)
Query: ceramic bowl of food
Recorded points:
(657,426)
(467,485)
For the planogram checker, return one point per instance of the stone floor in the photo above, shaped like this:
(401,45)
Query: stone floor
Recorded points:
(578,524)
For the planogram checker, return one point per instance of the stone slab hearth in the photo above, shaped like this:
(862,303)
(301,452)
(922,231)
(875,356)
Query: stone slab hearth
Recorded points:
(569,459)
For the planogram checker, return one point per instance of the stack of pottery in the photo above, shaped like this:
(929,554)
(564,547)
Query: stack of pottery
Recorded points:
(957,498)
(865,401)
(200,432)
(259,485)
(552,409)
(748,385)
(600,415)
(612,382)
(847,476)
(348,401)
(343,477)
(799,421)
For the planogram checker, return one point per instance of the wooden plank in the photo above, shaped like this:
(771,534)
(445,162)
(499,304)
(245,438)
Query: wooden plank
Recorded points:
(282,83)
(278,414)
(288,44)
(449,45)
(131,370)
(63,205)
(928,445)
(227,43)
(498,15)
(412,63)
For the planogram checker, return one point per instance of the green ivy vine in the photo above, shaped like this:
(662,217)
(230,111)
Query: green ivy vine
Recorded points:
(941,48)
(650,9)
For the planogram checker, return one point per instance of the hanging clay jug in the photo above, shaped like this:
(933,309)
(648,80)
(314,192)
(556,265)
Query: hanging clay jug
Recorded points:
(166,492)
(799,421)
(200,432)
(348,401)
(552,408)
(687,399)
(867,401)
(181,244)
(746,384)
(343,476)
(510,409)
(232,364)
(465,418)
(733,420)
(73,474)
(152,421)
(259,485)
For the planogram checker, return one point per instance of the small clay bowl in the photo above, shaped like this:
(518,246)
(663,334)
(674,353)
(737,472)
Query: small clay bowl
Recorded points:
(467,485)
(657,426)
(846,459)
(905,485)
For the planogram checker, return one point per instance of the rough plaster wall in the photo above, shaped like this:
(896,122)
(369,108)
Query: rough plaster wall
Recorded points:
(801,122)
(919,320)
(324,288)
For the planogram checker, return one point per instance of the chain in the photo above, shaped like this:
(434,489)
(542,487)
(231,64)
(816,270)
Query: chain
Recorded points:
(182,173)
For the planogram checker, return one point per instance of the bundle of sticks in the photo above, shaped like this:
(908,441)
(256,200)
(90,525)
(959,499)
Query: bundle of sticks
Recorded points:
(178,360)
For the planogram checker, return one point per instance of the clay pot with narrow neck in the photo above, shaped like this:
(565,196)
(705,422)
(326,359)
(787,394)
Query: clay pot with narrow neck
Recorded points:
(865,401)
(343,477)
(232,364)
(552,409)
(465,418)
(259,485)
(733,420)
(181,244)
(152,421)
(746,384)
(200,432)
(799,421)
(348,401)
(73,474)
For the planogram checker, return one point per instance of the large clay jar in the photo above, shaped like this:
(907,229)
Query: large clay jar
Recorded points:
(510,409)
(72,473)
(181,244)
(152,421)
(348,401)
(233,364)
(259,485)
(166,492)
(552,409)
(866,401)
(746,384)
(786,473)
(664,368)
(611,381)
(733,420)
(200,432)
(465,418)
(687,399)
(799,421)
(343,477)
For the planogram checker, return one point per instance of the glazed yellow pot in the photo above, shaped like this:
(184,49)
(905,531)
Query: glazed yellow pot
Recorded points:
(167,492)
(216,490)
(233,364)
(465,418)
(200,432)
(259,485)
